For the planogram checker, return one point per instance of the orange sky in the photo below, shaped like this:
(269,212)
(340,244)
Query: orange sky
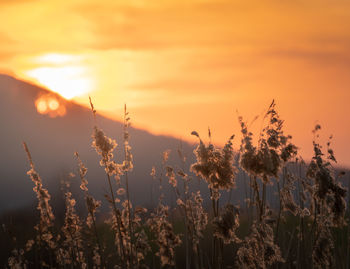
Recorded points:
(186,65)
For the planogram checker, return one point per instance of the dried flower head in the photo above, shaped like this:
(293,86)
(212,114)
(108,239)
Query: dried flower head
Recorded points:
(128,158)
(171,176)
(328,192)
(322,251)
(166,238)
(82,173)
(226,224)
(273,150)
(259,249)
(43,196)
(104,147)
(216,166)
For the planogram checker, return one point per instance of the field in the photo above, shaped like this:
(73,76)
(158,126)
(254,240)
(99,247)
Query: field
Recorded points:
(295,213)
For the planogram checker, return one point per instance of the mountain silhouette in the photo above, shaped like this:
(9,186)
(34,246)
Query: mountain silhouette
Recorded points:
(53,140)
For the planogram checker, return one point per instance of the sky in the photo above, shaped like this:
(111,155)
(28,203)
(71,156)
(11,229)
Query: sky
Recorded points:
(189,65)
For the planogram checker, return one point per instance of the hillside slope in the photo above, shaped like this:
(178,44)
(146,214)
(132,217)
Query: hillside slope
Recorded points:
(52,142)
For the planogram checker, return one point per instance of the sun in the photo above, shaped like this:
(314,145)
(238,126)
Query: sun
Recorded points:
(61,73)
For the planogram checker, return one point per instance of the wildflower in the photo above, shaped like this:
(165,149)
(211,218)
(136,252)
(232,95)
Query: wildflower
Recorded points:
(215,165)
(329,204)
(322,252)
(72,231)
(166,238)
(141,245)
(46,215)
(92,206)
(273,150)
(328,192)
(104,147)
(226,224)
(258,250)
(82,173)
(128,161)
(171,175)
(197,218)
(286,194)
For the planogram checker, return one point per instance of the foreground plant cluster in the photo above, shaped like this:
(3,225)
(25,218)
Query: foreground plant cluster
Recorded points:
(300,231)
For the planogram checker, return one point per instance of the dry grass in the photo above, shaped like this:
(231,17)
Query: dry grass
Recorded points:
(306,223)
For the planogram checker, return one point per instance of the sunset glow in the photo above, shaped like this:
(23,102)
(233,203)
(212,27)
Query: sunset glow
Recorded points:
(61,73)
(66,81)
(204,134)
(184,65)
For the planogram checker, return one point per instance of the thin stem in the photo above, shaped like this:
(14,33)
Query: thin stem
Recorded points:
(302,243)
(100,250)
(279,211)
(129,215)
(117,216)
(258,201)
(263,198)
(125,125)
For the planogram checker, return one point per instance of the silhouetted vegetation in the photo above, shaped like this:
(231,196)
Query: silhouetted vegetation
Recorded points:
(308,227)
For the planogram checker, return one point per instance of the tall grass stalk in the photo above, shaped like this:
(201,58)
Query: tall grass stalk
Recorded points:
(311,209)
(91,205)
(127,166)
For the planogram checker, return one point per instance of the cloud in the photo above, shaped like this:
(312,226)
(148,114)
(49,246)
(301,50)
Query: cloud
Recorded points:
(195,86)
(319,56)
(163,26)
(196,24)
(159,25)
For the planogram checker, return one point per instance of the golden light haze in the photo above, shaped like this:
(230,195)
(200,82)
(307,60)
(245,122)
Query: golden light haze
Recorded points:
(186,65)
(49,104)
